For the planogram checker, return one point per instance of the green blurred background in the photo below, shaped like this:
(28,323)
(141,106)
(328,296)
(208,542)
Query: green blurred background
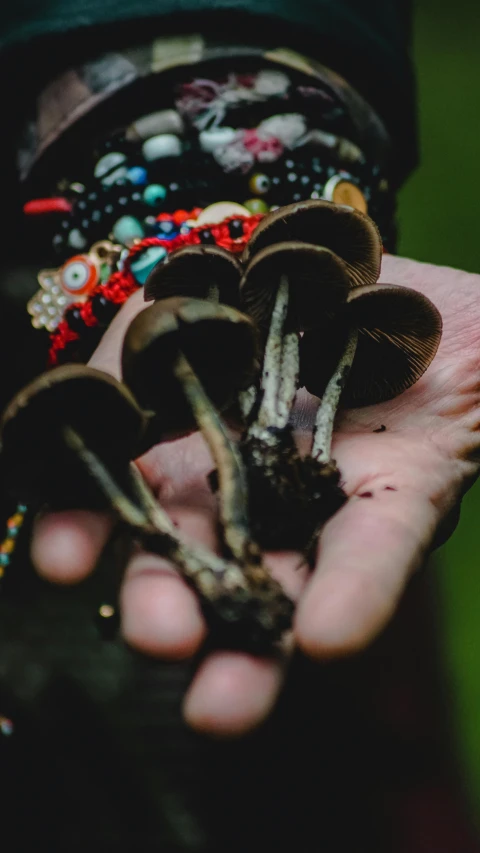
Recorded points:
(439,217)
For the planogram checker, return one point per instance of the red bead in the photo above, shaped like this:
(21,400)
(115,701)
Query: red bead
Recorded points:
(180,216)
(39,206)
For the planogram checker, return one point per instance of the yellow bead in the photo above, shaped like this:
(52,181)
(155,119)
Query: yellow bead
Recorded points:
(7,546)
(257,205)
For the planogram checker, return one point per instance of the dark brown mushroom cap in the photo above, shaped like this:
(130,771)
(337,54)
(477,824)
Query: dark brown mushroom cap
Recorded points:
(36,463)
(220,343)
(318,284)
(399,334)
(193,271)
(351,235)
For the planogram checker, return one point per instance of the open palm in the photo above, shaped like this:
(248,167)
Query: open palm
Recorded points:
(405,466)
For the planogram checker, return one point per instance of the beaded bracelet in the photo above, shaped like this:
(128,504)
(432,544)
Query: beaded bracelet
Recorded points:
(77,336)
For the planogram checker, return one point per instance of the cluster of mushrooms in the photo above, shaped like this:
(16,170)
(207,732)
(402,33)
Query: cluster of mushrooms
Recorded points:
(223,347)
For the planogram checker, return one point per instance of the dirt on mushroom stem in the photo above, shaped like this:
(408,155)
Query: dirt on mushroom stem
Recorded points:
(289,497)
(245,614)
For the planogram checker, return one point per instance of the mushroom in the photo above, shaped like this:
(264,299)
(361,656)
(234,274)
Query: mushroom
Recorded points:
(36,461)
(201,272)
(87,428)
(380,344)
(287,288)
(350,234)
(192,357)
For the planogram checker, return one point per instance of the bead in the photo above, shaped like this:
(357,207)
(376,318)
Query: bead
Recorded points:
(165,145)
(39,206)
(127,229)
(166,227)
(256,205)
(215,213)
(260,183)
(163,121)
(206,236)
(235,228)
(15,520)
(75,320)
(150,223)
(4,559)
(343,192)
(270,82)
(110,168)
(137,175)
(144,263)
(77,187)
(154,194)
(76,239)
(180,216)
(7,547)
(6,726)
(78,276)
(211,139)
(292,177)
(103,309)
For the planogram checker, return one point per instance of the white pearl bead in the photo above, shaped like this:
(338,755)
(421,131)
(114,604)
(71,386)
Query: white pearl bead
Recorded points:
(212,139)
(109,162)
(165,145)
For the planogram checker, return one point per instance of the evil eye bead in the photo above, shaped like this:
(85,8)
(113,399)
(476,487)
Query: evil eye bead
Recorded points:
(259,184)
(79,275)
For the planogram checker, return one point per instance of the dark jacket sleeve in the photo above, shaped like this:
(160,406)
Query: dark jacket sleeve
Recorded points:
(367,41)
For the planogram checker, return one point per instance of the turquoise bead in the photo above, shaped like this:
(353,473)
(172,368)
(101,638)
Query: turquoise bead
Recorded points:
(141,267)
(127,229)
(4,559)
(154,194)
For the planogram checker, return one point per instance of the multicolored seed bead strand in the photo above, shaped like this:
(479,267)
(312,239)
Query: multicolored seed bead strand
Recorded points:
(14,525)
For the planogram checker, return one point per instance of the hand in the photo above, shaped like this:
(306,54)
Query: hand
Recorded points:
(405,484)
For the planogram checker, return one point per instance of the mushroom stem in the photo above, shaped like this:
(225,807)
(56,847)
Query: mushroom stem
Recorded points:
(231,472)
(270,385)
(289,370)
(125,508)
(324,421)
(228,589)
(246,401)
(214,294)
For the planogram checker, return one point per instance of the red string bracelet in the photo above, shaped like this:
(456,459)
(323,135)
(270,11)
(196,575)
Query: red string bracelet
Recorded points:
(122,284)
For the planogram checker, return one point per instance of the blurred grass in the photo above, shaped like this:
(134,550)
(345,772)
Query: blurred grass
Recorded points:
(440,222)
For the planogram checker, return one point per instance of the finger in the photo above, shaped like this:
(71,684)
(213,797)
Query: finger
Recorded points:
(161,615)
(66,545)
(232,693)
(367,552)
